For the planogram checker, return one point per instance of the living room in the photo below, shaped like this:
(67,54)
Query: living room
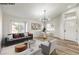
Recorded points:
(40,24)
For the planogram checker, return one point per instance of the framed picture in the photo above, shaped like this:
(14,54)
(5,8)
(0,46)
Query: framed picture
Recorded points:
(35,26)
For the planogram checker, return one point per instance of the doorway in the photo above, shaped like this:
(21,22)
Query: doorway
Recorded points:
(70,26)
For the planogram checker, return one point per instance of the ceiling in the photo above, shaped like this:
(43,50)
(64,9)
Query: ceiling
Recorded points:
(35,10)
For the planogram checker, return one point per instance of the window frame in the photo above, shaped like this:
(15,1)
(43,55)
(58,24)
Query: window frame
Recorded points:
(25,25)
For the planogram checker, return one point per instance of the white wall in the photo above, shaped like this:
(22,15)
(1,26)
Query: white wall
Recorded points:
(78,23)
(59,25)
(7,19)
(0,27)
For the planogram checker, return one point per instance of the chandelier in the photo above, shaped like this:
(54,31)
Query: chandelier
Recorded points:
(44,20)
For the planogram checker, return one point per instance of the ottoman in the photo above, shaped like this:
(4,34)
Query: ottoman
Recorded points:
(20,48)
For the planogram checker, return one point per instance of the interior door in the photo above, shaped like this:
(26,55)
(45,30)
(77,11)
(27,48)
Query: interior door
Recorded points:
(70,29)
(70,25)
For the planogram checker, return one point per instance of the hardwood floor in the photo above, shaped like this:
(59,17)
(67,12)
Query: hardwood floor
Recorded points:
(66,47)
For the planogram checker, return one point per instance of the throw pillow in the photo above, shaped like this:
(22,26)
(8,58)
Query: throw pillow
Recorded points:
(26,34)
(46,43)
(10,36)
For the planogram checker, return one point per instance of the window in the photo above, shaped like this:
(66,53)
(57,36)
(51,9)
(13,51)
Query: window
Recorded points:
(50,27)
(19,27)
(70,16)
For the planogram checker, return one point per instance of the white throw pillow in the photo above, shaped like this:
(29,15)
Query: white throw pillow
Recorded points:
(46,43)
(25,34)
(10,36)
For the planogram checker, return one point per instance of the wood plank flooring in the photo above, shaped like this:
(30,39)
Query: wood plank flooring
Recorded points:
(65,47)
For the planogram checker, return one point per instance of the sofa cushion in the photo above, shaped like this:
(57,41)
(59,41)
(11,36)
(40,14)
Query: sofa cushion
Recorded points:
(21,34)
(16,36)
